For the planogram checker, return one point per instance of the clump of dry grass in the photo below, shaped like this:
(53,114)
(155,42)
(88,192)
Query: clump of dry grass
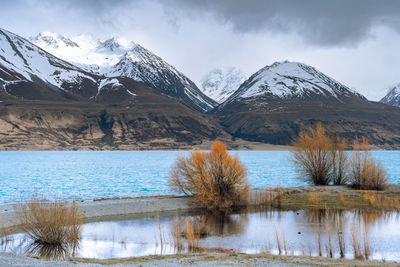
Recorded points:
(365,172)
(51,223)
(328,232)
(4,234)
(314,199)
(215,179)
(355,242)
(192,236)
(176,235)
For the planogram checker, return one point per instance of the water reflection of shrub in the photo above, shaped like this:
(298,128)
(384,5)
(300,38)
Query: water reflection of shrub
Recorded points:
(52,252)
(221,224)
(209,224)
(54,227)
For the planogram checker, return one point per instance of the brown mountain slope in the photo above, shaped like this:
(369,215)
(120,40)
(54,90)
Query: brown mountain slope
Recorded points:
(279,122)
(114,120)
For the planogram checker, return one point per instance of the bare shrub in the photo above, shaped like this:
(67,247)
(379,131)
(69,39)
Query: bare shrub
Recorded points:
(339,161)
(313,155)
(365,172)
(51,223)
(215,179)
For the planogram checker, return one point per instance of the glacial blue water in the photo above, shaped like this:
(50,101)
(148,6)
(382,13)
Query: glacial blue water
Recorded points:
(81,175)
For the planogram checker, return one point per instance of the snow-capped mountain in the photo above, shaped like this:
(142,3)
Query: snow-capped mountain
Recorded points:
(22,61)
(293,80)
(119,57)
(221,83)
(392,97)
(29,72)
(279,100)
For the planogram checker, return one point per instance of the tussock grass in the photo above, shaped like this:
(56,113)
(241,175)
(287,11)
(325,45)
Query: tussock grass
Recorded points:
(51,223)
(314,199)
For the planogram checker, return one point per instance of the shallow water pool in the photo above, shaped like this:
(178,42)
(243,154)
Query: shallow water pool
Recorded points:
(302,232)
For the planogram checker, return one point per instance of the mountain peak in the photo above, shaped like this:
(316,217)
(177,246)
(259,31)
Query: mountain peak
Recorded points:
(222,82)
(53,39)
(115,44)
(294,80)
(393,96)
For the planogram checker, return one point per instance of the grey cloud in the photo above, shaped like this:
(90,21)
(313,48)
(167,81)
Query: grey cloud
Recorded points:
(316,21)
(319,22)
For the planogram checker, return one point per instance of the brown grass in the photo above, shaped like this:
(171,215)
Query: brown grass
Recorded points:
(314,199)
(192,236)
(176,235)
(341,243)
(365,172)
(215,179)
(355,242)
(278,242)
(367,246)
(52,223)
(4,234)
(328,232)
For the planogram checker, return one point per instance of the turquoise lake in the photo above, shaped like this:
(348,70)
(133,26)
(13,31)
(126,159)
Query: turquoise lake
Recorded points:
(77,175)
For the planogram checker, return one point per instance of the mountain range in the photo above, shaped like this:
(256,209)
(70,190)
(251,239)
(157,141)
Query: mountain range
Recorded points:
(117,57)
(58,92)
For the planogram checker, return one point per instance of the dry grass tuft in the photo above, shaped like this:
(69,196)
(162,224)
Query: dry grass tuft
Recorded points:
(192,236)
(54,223)
(355,242)
(176,235)
(4,235)
(215,179)
(314,199)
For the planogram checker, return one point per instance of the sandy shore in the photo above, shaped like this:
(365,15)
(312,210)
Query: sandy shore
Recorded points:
(98,210)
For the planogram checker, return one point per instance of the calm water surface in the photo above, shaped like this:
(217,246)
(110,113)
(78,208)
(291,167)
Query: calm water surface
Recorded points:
(249,232)
(79,175)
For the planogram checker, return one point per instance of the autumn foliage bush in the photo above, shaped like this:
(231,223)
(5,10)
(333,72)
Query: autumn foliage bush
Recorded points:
(314,155)
(214,179)
(322,159)
(365,172)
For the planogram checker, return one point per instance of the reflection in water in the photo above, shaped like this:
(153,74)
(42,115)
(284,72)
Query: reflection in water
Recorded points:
(53,252)
(336,233)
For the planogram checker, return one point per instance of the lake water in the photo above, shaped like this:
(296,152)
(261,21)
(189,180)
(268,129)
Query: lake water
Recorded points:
(76,175)
(299,233)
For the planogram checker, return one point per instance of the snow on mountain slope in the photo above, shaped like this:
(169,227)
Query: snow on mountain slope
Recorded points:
(221,83)
(289,80)
(392,97)
(28,62)
(119,57)
(28,72)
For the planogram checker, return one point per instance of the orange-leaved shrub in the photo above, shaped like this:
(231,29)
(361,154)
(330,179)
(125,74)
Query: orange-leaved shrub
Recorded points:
(365,172)
(313,155)
(340,162)
(214,179)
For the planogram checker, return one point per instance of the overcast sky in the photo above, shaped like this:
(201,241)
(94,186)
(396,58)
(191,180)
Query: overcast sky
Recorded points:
(357,42)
